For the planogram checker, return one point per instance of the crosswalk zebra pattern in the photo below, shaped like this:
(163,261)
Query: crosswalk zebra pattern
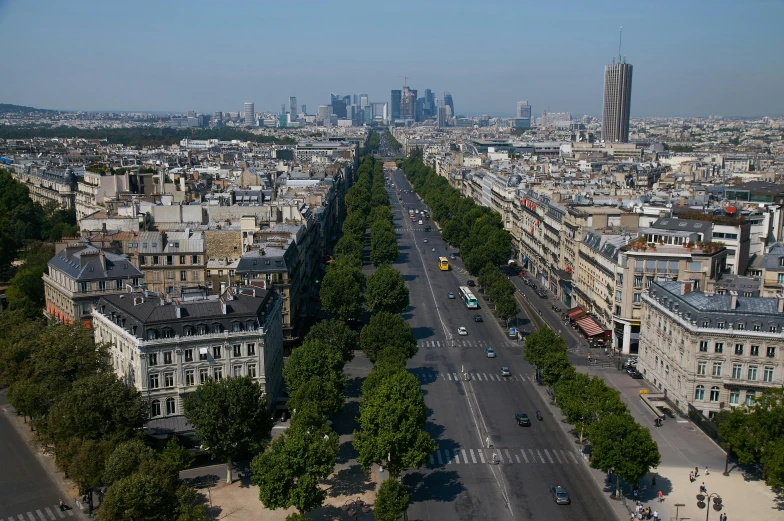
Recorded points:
(427,375)
(549,456)
(42,514)
(461,342)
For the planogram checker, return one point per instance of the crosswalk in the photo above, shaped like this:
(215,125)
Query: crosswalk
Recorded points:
(42,514)
(550,456)
(410,229)
(462,342)
(427,375)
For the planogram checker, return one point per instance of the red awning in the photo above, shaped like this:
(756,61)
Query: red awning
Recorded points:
(589,326)
(574,312)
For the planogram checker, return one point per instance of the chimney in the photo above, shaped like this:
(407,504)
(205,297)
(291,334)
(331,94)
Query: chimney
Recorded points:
(178,309)
(686,286)
(223,288)
(104,228)
(223,306)
(780,302)
(733,299)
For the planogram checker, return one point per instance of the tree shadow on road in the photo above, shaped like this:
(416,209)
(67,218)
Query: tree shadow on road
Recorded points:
(204,481)
(354,387)
(439,485)
(422,332)
(211,512)
(409,278)
(346,452)
(346,422)
(349,481)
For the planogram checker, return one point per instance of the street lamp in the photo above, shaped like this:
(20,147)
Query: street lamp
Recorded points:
(703,501)
(352,507)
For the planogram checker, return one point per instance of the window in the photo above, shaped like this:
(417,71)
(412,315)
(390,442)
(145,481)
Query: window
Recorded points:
(734,396)
(170,406)
(638,281)
(169,260)
(236,370)
(202,328)
(699,392)
(737,371)
(754,351)
(771,352)
(189,377)
(155,259)
(719,348)
(217,328)
(757,327)
(619,296)
(152,334)
(203,354)
(714,394)
(152,359)
(153,381)
(252,370)
(203,375)
(189,355)
(751,395)
(169,275)
(705,323)
(195,275)
(636,298)
(236,327)
(237,350)
(251,349)
(101,285)
(182,259)
(155,408)
(703,346)
(720,324)
(250,325)
(167,332)
(716,369)
(767,374)
(183,276)
(739,349)
(780,278)
(701,368)
(752,372)
(741,326)
(773,329)
(168,379)
(167,357)
(194,259)
(218,374)
(216,352)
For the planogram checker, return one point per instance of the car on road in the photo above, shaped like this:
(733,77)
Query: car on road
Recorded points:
(451,295)
(425,240)
(470,283)
(634,373)
(452,256)
(522,419)
(542,293)
(490,352)
(559,495)
(478,318)
(505,371)
(462,331)
(427,228)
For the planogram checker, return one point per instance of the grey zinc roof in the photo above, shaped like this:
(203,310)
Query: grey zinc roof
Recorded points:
(671,223)
(82,264)
(771,259)
(718,306)
(273,261)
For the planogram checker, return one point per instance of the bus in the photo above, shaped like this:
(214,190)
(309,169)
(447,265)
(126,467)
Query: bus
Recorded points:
(443,264)
(468,298)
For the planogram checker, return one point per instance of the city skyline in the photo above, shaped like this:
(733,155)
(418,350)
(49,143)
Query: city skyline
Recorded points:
(681,63)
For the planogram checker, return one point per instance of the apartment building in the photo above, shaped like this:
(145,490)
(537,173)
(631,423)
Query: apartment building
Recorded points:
(79,275)
(773,270)
(49,184)
(166,347)
(172,261)
(709,352)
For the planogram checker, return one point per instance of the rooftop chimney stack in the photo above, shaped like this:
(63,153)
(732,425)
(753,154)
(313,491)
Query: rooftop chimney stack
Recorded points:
(733,299)
(780,302)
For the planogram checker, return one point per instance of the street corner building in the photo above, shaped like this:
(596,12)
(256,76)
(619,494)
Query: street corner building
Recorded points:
(166,347)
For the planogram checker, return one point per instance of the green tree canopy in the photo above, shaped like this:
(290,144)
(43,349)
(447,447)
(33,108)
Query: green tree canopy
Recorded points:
(313,359)
(354,226)
(387,330)
(391,501)
(348,245)
(386,291)
(323,394)
(341,292)
(383,248)
(336,334)
(126,459)
(584,399)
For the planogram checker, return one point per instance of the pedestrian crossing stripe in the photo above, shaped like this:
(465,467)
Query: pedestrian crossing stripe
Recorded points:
(39,514)
(504,456)
(426,376)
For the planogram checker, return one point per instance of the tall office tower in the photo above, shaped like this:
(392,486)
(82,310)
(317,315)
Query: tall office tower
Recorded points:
(430,103)
(408,104)
(617,101)
(304,109)
(250,115)
(282,108)
(441,117)
(523,115)
(293,106)
(449,103)
(339,107)
(395,104)
(363,101)
(347,100)
(324,112)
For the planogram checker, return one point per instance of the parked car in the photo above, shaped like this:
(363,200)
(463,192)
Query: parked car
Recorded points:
(451,295)
(559,495)
(505,371)
(477,318)
(542,293)
(470,283)
(489,352)
(667,412)
(462,331)
(522,419)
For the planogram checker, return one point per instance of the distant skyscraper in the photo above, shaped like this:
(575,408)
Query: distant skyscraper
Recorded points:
(408,103)
(395,104)
(250,115)
(523,114)
(293,106)
(617,102)
(449,103)
(324,112)
(441,117)
(282,108)
(363,101)
(339,107)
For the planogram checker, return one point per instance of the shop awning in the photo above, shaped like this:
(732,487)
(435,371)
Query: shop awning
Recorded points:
(589,326)
(574,312)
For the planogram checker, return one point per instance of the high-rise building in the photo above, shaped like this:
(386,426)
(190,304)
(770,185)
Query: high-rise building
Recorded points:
(449,103)
(441,117)
(430,103)
(293,106)
(408,104)
(339,107)
(363,101)
(617,102)
(395,104)
(250,115)
(324,112)
(304,109)
(524,114)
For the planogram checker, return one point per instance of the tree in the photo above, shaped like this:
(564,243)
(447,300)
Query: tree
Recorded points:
(177,455)
(230,417)
(288,473)
(354,226)
(382,370)
(341,292)
(29,398)
(313,359)
(321,394)
(538,343)
(86,463)
(386,291)
(387,330)
(555,366)
(348,245)
(584,399)
(126,459)
(621,444)
(506,307)
(336,334)
(380,213)
(391,419)
(383,248)
(391,501)
(151,494)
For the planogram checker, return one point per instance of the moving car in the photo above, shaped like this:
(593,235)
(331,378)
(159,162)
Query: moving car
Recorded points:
(451,295)
(477,318)
(470,283)
(462,331)
(425,240)
(522,419)
(542,293)
(427,228)
(505,371)
(489,352)
(452,256)
(559,495)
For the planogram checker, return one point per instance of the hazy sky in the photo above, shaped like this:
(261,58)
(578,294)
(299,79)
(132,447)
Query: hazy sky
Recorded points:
(690,57)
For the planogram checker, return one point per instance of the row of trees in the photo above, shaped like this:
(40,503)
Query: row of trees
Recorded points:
(618,443)
(500,290)
(91,420)
(476,230)
(394,144)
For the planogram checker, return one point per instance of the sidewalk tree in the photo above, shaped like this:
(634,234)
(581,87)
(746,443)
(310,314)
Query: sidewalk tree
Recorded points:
(348,245)
(555,365)
(619,443)
(391,501)
(320,393)
(386,291)
(391,419)
(341,292)
(488,276)
(380,214)
(383,248)
(387,330)
(506,307)
(335,333)
(354,226)
(230,418)
(584,399)
(538,343)
(313,359)
(382,370)
(126,459)
(288,474)
(176,455)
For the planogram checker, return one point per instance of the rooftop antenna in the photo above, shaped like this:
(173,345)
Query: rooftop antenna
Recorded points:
(620,40)
(405,81)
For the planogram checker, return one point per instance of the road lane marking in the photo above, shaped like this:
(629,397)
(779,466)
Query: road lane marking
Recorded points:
(498,455)
(448,457)
(475,376)
(517,458)
(432,461)
(548,456)
(473,456)
(457,456)
(481,455)
(540,455)
(50,514)
(438,454)
(572,455)
(521,376)
(533,457)
(555,452)
(31,516)
(563,453)
(508,456)
(522,451)
(40,515)
(449,376)
(483,374)
(455,376)
(465,456)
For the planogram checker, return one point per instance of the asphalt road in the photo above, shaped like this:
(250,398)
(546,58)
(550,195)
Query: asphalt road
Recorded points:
(473,420)
(26,491)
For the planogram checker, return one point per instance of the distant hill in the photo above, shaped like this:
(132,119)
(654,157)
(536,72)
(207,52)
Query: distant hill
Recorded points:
(7,107)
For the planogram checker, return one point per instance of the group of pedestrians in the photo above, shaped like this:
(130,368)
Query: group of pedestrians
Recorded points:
(642,512)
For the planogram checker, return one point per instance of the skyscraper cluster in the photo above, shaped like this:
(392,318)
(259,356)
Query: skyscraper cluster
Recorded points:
(405,105)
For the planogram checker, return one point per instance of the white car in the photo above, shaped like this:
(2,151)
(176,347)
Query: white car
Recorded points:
(425,240)
(462,331)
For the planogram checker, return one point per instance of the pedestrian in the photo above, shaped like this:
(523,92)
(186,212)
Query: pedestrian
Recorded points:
(691,477)
(655,515)
(653,481)
(696,473)
(702,487)
(706,470)
(635,493)
(62,505)
(661,496)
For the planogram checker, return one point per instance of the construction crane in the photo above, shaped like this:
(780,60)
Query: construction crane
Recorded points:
(405,81)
